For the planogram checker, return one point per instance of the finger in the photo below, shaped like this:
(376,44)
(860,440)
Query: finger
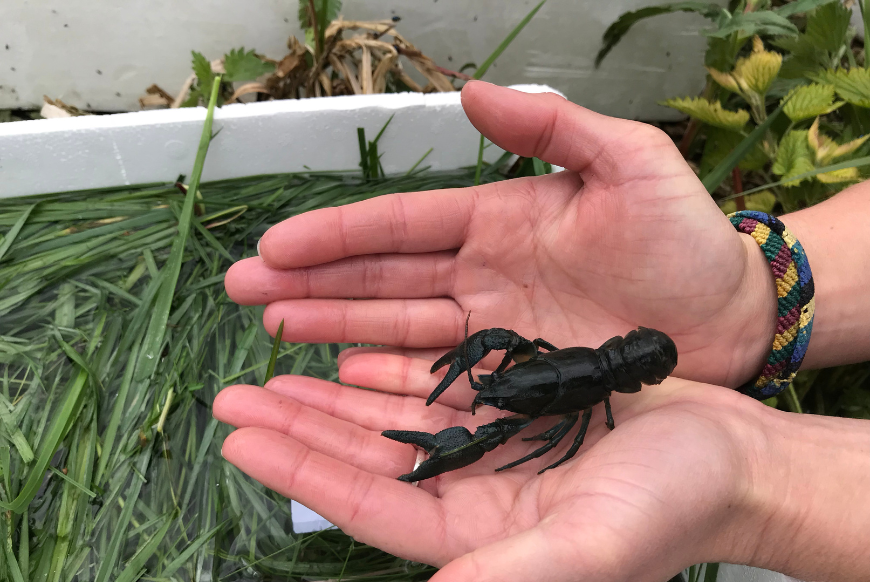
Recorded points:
(371,410)
(489,363)
(549,127)
(409,376)
(395,223)
(372,508)
(253,282)
(251,406)
(529,556)
(428,354)
(413,323)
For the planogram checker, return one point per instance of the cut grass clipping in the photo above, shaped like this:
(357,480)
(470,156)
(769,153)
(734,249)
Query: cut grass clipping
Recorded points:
(115,336)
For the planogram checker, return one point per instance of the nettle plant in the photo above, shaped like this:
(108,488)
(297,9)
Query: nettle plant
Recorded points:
(787,102)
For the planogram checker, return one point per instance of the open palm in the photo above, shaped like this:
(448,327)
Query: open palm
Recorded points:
(639,503)
(627,236)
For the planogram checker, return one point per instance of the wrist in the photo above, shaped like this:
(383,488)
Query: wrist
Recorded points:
(804,509)
(757,297)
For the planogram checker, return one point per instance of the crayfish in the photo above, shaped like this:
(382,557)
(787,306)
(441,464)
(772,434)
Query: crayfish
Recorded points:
(562,382)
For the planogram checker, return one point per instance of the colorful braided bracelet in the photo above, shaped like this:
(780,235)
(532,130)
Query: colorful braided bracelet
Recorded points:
(796,301)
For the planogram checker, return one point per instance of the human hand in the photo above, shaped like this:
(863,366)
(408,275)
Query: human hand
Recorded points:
(667,488)
(627,236)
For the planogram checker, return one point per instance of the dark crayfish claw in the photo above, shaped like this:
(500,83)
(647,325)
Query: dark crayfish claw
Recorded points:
(455,447)
(476,347)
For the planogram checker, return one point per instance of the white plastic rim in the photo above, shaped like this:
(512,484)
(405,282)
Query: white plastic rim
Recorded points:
(79,153)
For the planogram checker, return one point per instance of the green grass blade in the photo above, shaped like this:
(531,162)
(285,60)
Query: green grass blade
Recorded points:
(712,180)
(135,567)
(479,168)
(15,435)
(48,445)
(194,546)
(712,572)
(112,552)
(270,369)
(856,163)
(363,151)
(73,482)
(13,232)
(481,70)
(150,354)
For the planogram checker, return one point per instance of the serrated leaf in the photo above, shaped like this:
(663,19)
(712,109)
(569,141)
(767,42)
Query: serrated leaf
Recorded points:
(793,157)
(852,85)
(838,176)
(245,66)
(826,150)
(810,101)
(621,26)
(800,6)
(828,25)
(720,143)
(802,58)
(765,22)
(204,74)
(709,112)
(752,75)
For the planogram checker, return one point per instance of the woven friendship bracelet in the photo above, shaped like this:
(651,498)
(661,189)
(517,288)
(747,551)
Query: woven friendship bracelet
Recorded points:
(796,301)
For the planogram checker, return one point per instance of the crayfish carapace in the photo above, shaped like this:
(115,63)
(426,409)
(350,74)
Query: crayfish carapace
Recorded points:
(562,382)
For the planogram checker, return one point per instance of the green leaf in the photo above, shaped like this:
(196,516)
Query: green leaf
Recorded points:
(720,143)
(793,157)
(802,58)
(244,66)
(204,75)
(799,6)
(765,22)
(852,85)
(150,354)
(623,24)
(710,112)
(810,101)
(827,26)
(481,70)
(327,11)
(715,177)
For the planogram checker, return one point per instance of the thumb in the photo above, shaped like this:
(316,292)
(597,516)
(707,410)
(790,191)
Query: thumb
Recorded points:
(531,556)
(549,127)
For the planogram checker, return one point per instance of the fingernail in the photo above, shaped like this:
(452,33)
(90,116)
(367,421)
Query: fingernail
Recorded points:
(258,248)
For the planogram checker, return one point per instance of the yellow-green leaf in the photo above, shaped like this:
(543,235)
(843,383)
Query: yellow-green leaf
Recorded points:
(710,112)
(759,69)
(752,75)
(763,201)
(793,157)
(810,101)
(852,85)
(837,176)
(826,149)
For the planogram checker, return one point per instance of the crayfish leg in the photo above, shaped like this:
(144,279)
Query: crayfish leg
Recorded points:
(609,422)
(578,441)
(567,424)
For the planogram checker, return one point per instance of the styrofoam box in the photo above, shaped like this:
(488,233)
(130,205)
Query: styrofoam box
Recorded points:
(78,153)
